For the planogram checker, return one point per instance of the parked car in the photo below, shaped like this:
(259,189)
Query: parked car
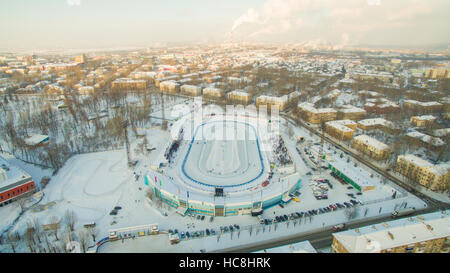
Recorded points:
(339,227)
(281,206)
(207,232)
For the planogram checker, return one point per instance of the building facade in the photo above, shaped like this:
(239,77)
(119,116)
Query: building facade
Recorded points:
(371,147)
(434,177)
(427,233)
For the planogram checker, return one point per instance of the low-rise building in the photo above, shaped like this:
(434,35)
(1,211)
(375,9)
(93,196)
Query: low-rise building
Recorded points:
(427,233)
(128,84)
(308,112)
(170,87)
(371,147)
(425,140)
(434,177)
(380,124)
(422,107)
(422,121)
(239,96)
(282,102)
(14,182)
(341,129)
(351,112)
(191,90)
(213,93)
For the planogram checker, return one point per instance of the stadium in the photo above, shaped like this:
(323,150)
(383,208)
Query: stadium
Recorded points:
(223,165)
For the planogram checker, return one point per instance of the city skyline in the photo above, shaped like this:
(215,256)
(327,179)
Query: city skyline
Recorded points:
(63,24)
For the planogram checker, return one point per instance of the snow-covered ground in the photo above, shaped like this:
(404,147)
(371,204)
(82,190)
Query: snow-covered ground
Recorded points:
(93,184)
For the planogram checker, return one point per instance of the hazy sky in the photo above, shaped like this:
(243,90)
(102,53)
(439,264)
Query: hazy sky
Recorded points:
(110,23)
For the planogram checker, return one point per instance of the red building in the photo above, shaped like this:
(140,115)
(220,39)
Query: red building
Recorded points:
(14,183)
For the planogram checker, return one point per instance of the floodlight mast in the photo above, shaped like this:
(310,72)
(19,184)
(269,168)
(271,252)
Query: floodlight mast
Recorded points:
(127,143)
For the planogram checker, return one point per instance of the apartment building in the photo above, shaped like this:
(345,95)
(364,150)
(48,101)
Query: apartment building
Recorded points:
(282,102)
(314,115)
(239,96)
(438,73)
(213,93)
(170,87)
(434,177)
(341,129)
(351,112)
(427,233)
(380,124)
(371,147)
(191,90)
(422,121)
(423,107)
(425,140)
(128,84)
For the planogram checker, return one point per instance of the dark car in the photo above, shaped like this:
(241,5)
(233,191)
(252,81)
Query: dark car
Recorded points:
(298,214)
(359,193)
(231,228)
(281,206)
(175,231)
(203,217)
(226,229)
(207,232)
(285,217)
(187,234)
(117,207)
(238,227)
(266,222)
(213,232)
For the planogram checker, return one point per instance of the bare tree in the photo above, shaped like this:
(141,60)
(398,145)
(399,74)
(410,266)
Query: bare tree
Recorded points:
(12,241)
(22,202)
(54,222)
(37,229)
(29,236)
(70,218)
(83,238)
(93,231)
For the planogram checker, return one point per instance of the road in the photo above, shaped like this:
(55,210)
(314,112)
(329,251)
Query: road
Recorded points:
(320,239)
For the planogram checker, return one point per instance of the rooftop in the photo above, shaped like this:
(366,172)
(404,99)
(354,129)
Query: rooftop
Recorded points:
(396,233)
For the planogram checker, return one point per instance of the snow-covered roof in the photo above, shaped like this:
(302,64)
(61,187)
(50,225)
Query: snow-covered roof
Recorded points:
(306,106)
(351,109)
(35,139)
(301,247)
(439,169)
(10,174)
(435,141)
(425,117)
(371,142)
(376,121)
(402,232)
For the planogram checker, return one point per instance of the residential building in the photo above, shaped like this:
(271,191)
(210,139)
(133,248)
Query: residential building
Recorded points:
(422,121)
(341,129)
(239,96)
(434,177)
(371,147)
(125,84)
(427,233)
(351,112)
(308,112)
